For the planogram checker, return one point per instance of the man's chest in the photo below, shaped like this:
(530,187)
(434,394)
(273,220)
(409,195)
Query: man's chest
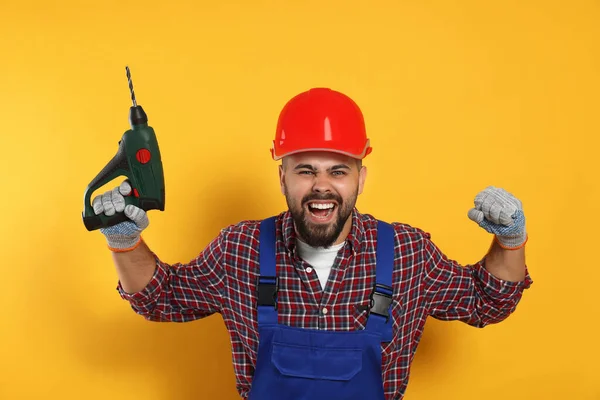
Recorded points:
(300,299)
(340,305)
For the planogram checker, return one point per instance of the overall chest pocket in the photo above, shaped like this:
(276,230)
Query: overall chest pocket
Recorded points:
(316,363)
(311,354)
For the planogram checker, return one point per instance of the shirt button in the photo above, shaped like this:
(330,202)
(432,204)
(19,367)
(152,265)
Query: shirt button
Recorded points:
(325,311)
(309,270)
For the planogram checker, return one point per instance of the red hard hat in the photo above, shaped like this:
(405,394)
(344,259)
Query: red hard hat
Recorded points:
(321,119)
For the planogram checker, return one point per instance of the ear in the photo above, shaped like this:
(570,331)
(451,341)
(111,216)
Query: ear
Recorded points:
(282,179)
(362,176)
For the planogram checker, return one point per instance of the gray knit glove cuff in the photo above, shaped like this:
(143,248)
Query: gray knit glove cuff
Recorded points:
(512,241)
(126,235)
(500,213)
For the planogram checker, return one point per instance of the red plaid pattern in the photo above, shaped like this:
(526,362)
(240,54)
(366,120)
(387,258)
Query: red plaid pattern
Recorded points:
(223,278)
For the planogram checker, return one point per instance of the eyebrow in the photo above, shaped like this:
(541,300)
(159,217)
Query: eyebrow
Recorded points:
(304,166)
(312,168)
(339,166)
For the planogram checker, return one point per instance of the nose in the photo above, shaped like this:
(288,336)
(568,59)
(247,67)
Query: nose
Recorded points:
(322,184)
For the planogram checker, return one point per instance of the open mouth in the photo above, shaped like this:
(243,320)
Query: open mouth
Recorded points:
(321,211)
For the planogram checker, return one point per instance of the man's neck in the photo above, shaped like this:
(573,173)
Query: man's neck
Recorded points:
(345,232)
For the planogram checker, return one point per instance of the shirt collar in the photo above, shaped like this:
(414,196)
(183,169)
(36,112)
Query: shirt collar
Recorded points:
(354,239)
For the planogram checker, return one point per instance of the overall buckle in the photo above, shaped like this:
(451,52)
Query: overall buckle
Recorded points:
(267,291)
(381,301)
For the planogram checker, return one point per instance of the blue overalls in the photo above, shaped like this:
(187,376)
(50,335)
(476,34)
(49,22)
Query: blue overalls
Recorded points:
(296,363)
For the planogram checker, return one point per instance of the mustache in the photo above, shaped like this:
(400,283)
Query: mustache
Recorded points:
(308,198)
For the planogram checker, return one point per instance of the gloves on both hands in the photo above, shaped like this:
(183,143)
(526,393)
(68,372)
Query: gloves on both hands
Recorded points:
(500,213)
(126,235)
(496,211)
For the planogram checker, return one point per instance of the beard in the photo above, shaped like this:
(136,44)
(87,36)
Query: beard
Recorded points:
(321,235)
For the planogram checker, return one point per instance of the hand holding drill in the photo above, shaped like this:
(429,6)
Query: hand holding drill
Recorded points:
(126,235)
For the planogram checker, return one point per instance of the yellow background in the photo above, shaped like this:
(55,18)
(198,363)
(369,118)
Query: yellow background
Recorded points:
(456,95)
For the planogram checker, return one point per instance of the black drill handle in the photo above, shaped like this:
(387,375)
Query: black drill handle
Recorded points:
(97,222)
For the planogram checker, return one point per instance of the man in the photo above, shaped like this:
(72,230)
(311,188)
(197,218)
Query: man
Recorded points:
(321,301)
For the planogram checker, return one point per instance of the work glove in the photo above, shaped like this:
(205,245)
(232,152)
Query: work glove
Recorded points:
(501,214)
(125,235)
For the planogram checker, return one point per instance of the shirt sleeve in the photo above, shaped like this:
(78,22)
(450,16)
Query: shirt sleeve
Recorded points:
(183,292)
(468,293)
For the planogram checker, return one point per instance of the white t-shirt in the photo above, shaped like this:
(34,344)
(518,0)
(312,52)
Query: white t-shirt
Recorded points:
(319,258)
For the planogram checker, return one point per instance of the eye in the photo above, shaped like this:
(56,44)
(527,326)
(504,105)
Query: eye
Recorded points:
(339,173)
(305,172)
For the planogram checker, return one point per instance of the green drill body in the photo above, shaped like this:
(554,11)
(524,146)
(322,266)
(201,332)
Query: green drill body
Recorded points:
(139,159)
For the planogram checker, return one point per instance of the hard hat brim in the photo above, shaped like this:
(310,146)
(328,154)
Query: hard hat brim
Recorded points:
(366,151)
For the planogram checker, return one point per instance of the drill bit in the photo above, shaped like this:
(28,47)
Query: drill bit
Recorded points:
(131,86)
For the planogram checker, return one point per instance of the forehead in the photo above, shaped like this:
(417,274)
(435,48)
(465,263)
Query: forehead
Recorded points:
(318,159)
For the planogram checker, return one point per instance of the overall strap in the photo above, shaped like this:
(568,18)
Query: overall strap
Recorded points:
(267,282)
(382,295)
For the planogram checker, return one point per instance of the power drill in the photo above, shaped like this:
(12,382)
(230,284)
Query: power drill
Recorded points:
(138,158)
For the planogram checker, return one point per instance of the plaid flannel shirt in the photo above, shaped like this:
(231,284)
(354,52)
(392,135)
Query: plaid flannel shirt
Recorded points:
(223,279)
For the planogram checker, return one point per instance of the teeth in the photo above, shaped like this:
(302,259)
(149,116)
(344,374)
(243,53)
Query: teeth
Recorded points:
(321,206)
